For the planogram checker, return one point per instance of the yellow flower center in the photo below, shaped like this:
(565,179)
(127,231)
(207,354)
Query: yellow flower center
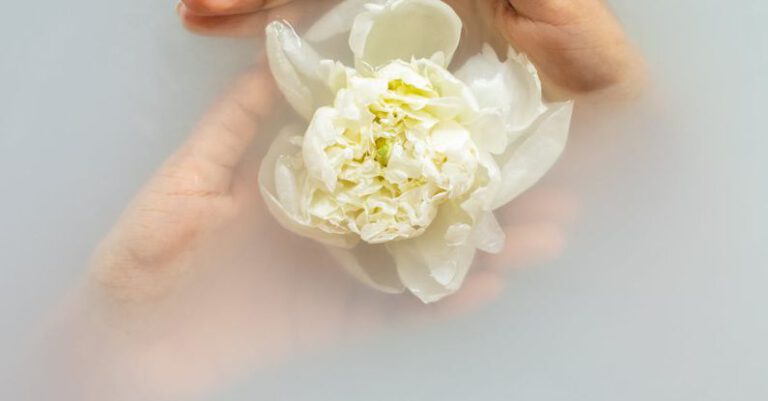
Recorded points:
(391,173)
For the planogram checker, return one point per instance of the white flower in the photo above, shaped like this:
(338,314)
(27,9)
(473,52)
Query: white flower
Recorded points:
(403,163)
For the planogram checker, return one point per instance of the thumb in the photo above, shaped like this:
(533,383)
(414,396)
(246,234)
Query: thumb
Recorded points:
(140,257)
(208,159)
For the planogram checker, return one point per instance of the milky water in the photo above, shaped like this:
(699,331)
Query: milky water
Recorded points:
(659,294)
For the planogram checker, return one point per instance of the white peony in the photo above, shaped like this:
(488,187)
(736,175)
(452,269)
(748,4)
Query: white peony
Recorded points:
(403,162)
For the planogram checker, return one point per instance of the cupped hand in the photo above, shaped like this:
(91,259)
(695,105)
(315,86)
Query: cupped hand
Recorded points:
(578,46)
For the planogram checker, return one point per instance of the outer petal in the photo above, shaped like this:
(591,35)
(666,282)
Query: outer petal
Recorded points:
(280,184)
(302,76)
(337,20)
(372,265)
(435,264)
(405,29)
(489,182)
(508,91)
(487,234)
(527,160)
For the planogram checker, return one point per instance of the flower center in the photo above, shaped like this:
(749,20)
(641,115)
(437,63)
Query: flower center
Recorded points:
(383,150)
(396,161)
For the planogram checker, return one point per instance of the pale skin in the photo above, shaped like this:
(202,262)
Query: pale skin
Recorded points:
(196,263)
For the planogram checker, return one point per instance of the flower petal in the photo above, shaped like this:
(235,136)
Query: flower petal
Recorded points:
(435,264)
(527,160)
(488,182)
(487,235)
(510,90)
(405,29)
(301,74)
(432,266)
(372,265)
(337,20)
(321,133)
(456,99)
(280,185)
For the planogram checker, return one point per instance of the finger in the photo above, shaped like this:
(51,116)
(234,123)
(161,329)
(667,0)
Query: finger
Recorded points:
(244,25)
(247,24)
(211,155)
(542,205)
(527,245)
(230,7)
(480,288)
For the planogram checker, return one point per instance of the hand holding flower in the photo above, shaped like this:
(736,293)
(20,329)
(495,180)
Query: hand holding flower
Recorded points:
(403,163)
(578,46)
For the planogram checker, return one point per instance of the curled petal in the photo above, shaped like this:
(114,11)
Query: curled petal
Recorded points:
(371,264)
(395,30)
(321,133)
(302,76)
(509,91)
(337,20)
(488,185)
(456,99)
(487,235)
(528,159)
(280,183)
(489,130)
(434,265)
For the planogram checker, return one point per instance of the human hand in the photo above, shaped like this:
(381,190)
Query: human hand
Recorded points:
(196,263)
(578,46)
